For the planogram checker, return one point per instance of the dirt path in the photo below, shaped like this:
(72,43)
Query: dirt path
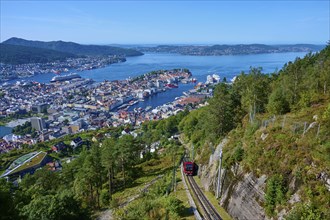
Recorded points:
(107,214)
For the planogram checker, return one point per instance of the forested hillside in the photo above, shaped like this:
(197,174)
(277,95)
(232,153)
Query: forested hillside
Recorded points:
(14,54)
(276,125)
(75,48)
(298,85)
(218,50)
(97,175)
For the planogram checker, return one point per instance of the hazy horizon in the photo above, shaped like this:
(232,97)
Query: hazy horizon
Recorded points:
(172,44)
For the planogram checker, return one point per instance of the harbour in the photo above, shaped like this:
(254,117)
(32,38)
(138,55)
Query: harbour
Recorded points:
(227,67)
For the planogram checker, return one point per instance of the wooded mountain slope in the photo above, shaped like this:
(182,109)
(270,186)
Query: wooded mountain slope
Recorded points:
(75,48)
(15,54)
(277,125)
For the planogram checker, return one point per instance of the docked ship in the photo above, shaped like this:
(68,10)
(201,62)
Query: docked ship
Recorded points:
(148,108)
(65,77)
(133,102)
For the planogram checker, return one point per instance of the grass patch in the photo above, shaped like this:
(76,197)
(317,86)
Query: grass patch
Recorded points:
(280,147)
(150,170)
(21,159)
(180,194)
(34,161)
(155,203)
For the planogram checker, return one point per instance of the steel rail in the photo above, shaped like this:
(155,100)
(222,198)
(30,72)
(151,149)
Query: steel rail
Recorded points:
(210,213)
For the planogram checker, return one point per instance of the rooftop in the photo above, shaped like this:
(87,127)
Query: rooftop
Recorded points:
(25,162)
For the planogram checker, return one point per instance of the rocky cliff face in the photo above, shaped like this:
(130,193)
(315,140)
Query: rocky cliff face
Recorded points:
(243,196)
(241,193)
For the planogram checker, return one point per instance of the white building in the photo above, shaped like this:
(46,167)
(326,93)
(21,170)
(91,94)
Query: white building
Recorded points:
(216,78)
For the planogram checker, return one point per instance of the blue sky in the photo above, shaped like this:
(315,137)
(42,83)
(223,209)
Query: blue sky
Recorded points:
(159,22)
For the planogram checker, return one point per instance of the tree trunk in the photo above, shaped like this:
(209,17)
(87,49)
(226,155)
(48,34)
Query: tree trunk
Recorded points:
(295,87)
(98,197)
(91,200)
(110,183)
(123,170)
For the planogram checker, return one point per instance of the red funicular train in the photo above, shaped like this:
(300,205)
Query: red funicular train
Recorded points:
(189,168)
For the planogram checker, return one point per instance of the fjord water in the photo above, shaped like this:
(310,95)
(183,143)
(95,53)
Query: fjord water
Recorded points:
(200,66)
(4,131)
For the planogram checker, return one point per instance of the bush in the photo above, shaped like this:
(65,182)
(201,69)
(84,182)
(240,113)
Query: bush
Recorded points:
(251,128)
(238,154)
(304,212)
(277,103)
(275,193)
(105,198)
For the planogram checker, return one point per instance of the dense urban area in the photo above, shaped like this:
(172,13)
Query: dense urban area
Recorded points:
(73,106)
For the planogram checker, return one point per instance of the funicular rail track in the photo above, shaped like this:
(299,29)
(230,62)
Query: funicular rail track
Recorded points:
(209,212)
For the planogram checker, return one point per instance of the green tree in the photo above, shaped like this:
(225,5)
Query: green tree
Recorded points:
(7,201)
(87,180)
(62,205)
(254,89)
(108,161)
(275,193)
(97,168)
(127,153)
(220,120)
(277,102)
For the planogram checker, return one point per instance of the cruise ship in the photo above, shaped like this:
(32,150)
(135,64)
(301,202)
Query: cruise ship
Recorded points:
(65,77)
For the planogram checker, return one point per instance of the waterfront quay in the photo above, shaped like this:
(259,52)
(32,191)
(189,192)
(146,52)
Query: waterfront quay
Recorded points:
(77,105)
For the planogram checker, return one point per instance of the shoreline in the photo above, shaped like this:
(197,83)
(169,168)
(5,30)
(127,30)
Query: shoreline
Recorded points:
(19,78)
(16,122)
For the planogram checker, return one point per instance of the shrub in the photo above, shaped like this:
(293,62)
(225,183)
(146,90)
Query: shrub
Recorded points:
(275,193)
(277,102)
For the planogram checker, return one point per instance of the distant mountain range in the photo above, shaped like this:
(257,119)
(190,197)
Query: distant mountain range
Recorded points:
(74,48)
(238,49)
(15,54)
(18,51)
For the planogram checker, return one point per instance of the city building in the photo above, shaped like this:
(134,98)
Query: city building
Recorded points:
(39,108)
(38,123)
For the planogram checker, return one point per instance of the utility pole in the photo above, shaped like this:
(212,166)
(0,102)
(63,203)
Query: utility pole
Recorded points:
(318,130)
(219,175)
(283,123)
(174,172)
(305,126)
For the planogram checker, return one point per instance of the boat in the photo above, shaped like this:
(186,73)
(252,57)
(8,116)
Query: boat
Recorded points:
(186,93)
(56,71)
(184,81)
(148,108)
(146,94)
(133,102)
(65,77)
(170,85)
(123,106)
